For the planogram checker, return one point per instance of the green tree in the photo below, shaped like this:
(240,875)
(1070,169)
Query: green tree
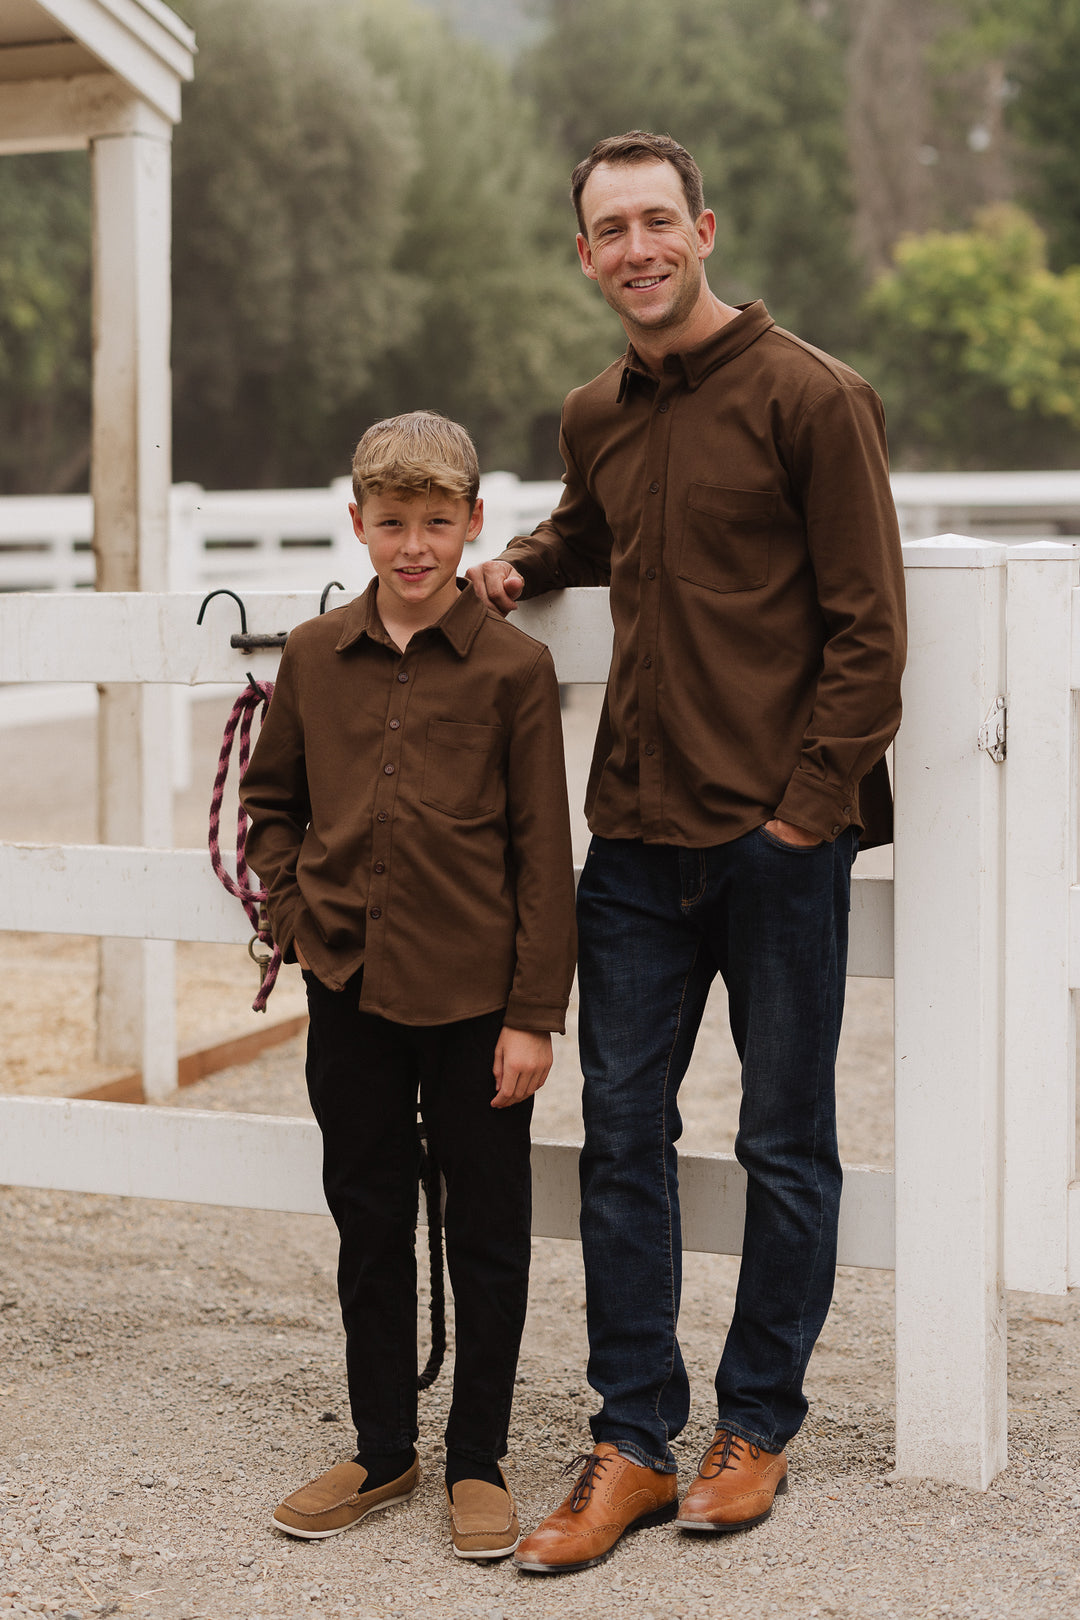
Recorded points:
(757,93)
(290,167)
(506,322)
(1036,44)
(44,323)
(977,347)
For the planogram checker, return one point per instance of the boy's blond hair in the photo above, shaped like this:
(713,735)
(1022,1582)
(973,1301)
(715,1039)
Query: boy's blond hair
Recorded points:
(416,454)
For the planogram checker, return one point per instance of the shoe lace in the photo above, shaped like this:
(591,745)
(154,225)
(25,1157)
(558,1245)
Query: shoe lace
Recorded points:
(590,1465)
(725,1452)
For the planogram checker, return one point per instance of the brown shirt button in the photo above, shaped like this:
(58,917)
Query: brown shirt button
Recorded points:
(650,573)
(375,913)
(653,487)
(847,809)
(382,816)
(388,770)
(647,661)
(837,830)
(403,675)
(395,725)
(662,408)
(380,866)
(650,748)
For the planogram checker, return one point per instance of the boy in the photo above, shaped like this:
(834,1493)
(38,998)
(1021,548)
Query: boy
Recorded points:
(410,822)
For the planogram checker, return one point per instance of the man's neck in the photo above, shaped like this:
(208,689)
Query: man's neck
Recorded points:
(709,315)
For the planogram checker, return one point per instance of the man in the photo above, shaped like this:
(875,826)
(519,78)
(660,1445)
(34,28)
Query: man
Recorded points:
(731,483)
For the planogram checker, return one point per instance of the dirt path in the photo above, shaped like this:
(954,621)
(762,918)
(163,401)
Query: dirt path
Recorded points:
(168,1372)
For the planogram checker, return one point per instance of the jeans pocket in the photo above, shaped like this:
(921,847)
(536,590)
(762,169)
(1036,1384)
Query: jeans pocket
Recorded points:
(791,849)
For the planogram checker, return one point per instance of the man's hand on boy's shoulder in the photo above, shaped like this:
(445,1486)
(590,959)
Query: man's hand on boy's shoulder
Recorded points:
(522,1064)
(497,583)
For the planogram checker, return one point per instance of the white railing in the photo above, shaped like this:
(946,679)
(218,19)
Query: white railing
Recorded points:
(980,928)
(297,539)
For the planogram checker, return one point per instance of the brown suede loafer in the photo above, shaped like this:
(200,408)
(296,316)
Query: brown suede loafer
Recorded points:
(483,1521)
(337,1500)
(612,1495)
(734,1488)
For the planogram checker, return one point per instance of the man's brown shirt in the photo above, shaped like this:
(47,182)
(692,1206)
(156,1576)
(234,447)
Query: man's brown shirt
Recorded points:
(739,506)
(409,814)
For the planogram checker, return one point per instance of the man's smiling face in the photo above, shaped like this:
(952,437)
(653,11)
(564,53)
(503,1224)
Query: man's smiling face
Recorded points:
(642,247)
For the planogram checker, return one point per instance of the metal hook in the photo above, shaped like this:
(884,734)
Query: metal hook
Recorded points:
(223,590)
(326,592)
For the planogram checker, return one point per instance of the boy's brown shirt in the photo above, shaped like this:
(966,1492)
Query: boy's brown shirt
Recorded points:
(409,813)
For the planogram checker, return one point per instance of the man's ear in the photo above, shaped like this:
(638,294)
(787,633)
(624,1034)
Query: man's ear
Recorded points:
(585,255)
(357,523)
(706,233)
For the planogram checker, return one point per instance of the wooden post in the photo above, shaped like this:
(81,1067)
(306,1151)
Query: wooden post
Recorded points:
(948,896)
(1040,857)
(130,478)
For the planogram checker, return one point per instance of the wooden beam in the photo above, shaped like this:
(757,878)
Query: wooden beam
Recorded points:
(66,114)
(261,1161)
(117,636)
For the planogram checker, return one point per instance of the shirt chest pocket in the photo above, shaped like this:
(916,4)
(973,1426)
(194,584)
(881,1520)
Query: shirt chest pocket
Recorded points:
(725,544)
(462,768)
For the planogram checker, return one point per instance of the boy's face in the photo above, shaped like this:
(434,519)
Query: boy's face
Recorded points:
(415,543)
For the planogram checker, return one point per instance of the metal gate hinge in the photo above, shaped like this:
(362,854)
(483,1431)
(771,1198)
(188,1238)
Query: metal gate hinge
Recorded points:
(992,731)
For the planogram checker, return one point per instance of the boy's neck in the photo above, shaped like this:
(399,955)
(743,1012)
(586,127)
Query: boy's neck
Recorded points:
(401,622)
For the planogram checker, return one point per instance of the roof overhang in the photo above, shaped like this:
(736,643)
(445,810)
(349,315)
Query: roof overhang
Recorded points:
(73,69)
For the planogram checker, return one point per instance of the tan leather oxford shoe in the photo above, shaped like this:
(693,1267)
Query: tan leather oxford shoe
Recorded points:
(483,1521)
(612,1495)
(337,1500)
(735,1486)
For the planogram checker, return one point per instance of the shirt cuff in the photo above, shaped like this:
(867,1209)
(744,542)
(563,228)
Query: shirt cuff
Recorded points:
(817,806)
(541,1019)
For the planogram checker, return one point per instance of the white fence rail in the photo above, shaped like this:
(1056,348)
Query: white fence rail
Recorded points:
(297,539)
(980,928)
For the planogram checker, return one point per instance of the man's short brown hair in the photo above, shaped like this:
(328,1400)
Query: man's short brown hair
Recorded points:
(416,454)
(639,146)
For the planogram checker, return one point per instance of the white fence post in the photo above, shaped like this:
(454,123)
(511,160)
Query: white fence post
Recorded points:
(1040,787)
(130,478)
(950,1315)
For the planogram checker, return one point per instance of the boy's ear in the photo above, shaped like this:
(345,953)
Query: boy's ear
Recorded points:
(476,521)
(357,523)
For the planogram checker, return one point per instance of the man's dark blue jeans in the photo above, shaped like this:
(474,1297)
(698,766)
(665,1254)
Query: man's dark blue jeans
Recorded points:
(657,923)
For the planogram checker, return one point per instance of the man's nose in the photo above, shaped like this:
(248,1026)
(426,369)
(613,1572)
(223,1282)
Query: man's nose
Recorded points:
(639,244)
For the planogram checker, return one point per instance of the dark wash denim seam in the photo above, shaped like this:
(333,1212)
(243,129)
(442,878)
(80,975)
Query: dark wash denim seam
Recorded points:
(776,929)
(663,1466)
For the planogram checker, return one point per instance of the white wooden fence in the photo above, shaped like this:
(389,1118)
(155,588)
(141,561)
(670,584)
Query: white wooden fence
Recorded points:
(980,928)
(296,539)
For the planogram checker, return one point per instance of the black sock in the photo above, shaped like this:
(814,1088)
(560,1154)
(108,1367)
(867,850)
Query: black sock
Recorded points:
(382,1467)
(459,1468)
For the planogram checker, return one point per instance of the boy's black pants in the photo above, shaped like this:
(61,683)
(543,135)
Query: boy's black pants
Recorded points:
(364,1074)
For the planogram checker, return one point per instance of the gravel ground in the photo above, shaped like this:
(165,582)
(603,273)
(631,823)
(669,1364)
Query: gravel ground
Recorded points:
(169,1372)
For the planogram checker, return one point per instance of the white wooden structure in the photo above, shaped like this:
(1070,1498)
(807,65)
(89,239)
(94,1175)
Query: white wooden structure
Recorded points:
(296,539)
(980,928)
(106,75)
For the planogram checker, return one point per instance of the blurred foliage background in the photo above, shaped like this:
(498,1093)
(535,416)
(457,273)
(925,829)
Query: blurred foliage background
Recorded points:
(371,214)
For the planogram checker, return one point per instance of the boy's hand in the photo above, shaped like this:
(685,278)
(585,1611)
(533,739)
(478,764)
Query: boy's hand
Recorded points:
(522,1064)
(497,583)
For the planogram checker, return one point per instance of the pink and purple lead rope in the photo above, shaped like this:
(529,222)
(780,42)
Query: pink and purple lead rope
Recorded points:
(251,898)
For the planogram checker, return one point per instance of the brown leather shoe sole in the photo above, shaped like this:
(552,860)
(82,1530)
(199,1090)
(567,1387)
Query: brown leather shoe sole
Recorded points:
(705,1527)
(663,1515)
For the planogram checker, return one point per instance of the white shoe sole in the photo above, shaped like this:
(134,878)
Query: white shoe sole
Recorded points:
(489,1552)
